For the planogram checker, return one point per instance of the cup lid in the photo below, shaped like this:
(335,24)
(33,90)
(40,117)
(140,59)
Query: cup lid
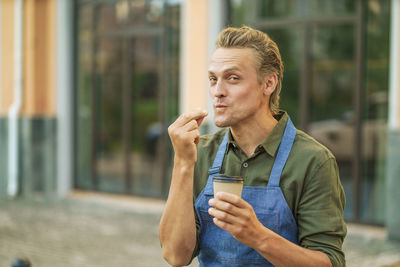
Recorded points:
(227,178)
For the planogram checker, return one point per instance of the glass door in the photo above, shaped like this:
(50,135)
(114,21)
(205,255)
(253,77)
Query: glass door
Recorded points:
(331,97)
(125,95)
(335,84)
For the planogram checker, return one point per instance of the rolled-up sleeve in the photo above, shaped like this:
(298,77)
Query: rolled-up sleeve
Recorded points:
(320,212)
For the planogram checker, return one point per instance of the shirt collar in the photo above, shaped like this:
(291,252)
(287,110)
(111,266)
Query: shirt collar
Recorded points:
(271,143)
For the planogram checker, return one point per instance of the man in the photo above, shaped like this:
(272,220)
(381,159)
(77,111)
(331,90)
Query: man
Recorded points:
(291,210)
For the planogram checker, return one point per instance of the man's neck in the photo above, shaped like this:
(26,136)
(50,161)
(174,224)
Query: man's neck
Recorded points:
(248,136)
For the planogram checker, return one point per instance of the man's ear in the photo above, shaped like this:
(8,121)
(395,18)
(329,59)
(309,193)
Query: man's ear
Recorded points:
(270,82)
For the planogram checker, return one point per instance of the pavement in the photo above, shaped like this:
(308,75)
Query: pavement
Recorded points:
(90,229)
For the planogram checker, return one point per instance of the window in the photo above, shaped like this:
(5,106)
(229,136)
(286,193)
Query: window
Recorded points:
(127,63)
(335,83)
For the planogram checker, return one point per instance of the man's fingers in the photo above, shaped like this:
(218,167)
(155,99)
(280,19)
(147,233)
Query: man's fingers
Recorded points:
(192,130)
(190,126)
(224,225)
(196,136)
(196,114)
(193,136)
(223,216)
(224,206)
(231,198)
(199,121)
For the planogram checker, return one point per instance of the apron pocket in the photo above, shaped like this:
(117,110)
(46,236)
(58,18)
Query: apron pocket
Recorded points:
(205,216)
(270,220)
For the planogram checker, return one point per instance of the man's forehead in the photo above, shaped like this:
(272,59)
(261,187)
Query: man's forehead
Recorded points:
(229,59)
(223,68)
(231,53)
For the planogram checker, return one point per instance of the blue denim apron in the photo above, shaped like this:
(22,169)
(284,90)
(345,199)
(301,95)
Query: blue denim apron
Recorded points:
(218,247)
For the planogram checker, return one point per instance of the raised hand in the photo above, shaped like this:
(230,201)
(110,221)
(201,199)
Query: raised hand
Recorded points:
(184,134)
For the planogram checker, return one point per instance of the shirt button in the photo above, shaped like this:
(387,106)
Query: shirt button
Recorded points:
(245,165)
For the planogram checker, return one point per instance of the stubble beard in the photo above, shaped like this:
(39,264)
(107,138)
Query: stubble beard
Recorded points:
(225,121)
(222,123)
(232,121)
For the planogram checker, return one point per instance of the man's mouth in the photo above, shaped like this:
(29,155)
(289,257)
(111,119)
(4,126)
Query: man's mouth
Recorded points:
(219,106)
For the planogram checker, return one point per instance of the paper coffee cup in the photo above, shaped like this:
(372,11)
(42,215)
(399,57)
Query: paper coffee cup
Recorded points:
(229,184)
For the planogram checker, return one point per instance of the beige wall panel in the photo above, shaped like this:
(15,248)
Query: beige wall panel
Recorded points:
(51,59)
(195,55)
(39,57)
(7,52)
(28,90)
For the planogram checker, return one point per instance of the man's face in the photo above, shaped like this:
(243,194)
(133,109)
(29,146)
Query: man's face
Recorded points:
(235,90)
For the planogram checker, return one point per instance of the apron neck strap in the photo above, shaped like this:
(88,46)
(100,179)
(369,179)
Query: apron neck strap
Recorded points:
(280,160)
(216,167)
(283,153)
(219,158)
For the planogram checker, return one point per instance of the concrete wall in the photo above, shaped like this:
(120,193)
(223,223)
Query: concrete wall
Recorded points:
(393,186)
(393,156)
(3,156)
(36,122)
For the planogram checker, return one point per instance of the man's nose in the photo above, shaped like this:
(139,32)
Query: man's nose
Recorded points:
(219,89)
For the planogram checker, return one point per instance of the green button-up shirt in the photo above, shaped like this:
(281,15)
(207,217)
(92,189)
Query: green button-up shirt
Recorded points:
(310,183)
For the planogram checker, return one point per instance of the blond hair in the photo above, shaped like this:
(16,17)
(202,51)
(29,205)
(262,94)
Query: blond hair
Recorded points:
(266,52)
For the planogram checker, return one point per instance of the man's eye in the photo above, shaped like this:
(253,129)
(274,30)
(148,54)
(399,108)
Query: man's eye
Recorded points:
(212,79)
(234,78)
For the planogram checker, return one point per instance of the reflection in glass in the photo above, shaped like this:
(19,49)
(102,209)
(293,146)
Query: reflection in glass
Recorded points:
(241,12)
(289,43)
(145,110)
(107,18)
(128,62)
(295,9)
(84,82)
(109,145)
(375,113)
(331,97)
(333,72)
(325,57)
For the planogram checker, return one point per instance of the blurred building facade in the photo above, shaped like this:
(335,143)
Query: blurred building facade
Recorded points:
(89,87)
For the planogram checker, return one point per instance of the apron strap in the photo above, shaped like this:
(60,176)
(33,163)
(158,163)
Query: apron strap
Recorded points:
(219,158)
(283,153)
(216,167)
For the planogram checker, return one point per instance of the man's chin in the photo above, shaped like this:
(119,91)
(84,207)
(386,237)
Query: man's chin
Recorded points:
(221,124)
